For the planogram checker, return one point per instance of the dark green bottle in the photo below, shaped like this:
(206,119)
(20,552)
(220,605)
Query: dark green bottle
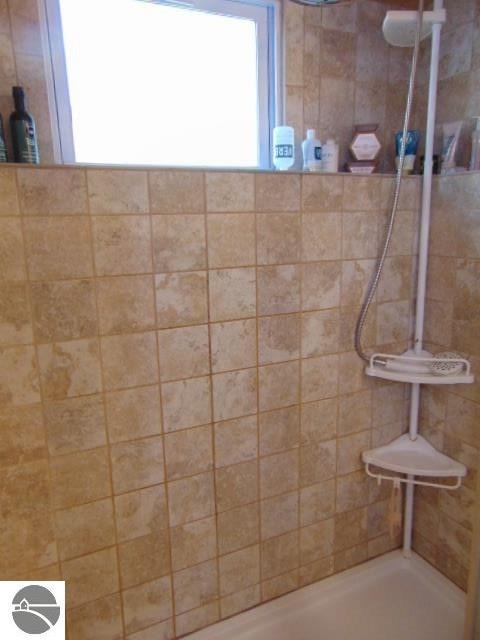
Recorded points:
(3,143)
(24,134)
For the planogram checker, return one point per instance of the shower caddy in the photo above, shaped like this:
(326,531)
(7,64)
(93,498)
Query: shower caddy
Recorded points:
(410,454)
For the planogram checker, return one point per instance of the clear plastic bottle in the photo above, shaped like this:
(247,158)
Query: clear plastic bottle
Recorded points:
(330,156)
(312,152)
(283,148)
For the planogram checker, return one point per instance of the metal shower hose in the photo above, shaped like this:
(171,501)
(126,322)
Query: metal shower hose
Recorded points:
(373,284)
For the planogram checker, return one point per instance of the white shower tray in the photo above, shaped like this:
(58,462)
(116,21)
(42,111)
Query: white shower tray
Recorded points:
(414,458)
(400,27)
(416,369)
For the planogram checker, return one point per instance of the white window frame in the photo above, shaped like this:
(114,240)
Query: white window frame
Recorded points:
(266,13)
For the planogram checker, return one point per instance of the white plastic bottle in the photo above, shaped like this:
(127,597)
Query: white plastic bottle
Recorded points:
(330,156)
(475,159)
(283,148)
(312,152)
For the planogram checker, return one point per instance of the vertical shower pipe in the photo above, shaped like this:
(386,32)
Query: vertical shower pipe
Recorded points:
(423,263)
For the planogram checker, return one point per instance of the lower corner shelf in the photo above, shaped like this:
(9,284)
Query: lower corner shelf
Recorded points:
(414,458)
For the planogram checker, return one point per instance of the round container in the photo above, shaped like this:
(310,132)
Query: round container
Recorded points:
(283,148)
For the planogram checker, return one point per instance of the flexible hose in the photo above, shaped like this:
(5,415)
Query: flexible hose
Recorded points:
(373,284)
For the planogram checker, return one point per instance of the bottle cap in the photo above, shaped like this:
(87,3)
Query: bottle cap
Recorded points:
(310,134)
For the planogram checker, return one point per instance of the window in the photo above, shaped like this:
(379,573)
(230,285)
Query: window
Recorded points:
(164,82)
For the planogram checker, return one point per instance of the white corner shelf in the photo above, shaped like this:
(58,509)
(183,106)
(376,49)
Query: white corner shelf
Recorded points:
(418,369)
(413,458)
(400,27)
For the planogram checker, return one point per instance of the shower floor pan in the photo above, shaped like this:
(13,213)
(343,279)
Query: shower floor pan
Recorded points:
(387,598)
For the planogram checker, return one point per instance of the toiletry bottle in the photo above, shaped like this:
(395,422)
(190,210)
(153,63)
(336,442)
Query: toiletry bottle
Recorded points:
(3,144)
(283,148)
(312,152)
(330,155)
(24,134)
(475,159)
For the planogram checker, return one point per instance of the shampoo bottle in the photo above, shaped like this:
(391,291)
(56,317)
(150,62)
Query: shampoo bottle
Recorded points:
(475,159)
(312,152)
(330,156)
(283,148)
(24,134)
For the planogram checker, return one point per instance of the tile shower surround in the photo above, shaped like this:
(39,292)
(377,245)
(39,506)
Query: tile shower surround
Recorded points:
(181,411)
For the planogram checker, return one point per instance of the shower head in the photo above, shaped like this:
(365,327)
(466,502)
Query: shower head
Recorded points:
(317,3)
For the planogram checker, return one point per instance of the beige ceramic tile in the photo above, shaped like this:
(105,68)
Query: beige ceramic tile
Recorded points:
(129,360)
(125,304)
(279,385)
(322,193)
(125,236)
(278,338)
(144,559)
(8,193)
(277,193)
(117,191)
(236,485)
(195,586)
(79,478)
(188,452)
(321,285)
(317,502)
(23,388)
(316,571)
(137,464)
(318,421)
(279,473)
(355,412)
(197,618)
(186,403)
(147,604)
(278,238)
(75,425)
(356,275)
(240,601)
(317,462)
(320,332)
(322,233)
(69,369)
(161,631)
(179,243)
(191,499)
(352,491)
(25,490)
(279,515)
(12,255)
(85,529)
(236,441)
(239,570)
(393,321)
(232,294)
(52,191)
(63,310)
(177,191)
(234,394)
(181,298)
(238,528)
(193,543)
(91,577)
(23,436)
(319,378)
(102,617)
(280,585)
(279,430)
(231,240)
(58,247)
(229,191)
(15,320)
(350,529)
(349,452)
(280,555)
(359,235)
(141,513)
(184,352)
(316,541)
(133,413)
(233,345)
(278,289)
(28,545)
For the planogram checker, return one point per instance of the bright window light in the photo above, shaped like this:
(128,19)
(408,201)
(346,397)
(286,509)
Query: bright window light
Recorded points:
(156,84)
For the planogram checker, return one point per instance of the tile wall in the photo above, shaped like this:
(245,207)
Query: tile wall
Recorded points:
(451,416)
(181,410)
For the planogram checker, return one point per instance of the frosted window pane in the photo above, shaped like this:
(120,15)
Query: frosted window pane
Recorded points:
(155,84)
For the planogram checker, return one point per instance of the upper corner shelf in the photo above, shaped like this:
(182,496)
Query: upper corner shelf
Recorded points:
(416,369)
(400,27)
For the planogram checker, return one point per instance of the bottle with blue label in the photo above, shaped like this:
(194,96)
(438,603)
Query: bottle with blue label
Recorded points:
(312,152)
(24,133)
(283,148)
